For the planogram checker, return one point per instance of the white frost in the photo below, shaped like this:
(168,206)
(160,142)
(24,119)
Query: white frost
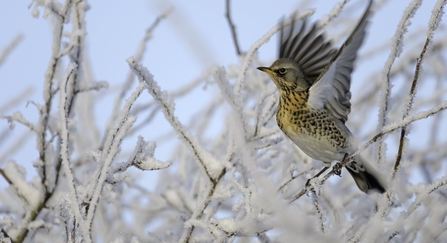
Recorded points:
(28,192)
(211,166)
(144,159)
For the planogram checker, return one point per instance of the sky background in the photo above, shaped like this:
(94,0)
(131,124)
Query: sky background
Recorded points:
(193,38)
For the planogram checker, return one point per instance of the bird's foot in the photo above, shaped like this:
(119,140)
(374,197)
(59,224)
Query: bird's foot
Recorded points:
(337,169)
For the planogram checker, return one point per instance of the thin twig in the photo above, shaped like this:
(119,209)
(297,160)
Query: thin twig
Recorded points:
(188,231)
(292,177)
(16,100)
(232,27)
(18,117)
(9,48)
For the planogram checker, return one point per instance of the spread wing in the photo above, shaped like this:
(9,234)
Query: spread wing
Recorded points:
(331,90)
(308,47)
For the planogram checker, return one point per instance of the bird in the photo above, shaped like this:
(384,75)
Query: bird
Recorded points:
(314,79)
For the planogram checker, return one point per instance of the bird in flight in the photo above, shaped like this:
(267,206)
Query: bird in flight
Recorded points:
(313,80)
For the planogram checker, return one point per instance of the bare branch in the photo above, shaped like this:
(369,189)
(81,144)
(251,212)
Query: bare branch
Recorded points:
(16,100)
(9,48)
(232,27)
(18,117)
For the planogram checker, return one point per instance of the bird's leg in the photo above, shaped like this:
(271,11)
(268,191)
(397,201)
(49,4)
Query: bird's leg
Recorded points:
(317,175)
(337,166)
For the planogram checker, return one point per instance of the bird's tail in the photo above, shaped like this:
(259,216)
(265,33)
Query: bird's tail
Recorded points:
(366,177)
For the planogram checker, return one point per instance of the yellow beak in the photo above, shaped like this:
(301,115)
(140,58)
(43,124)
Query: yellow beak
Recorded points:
(266,70)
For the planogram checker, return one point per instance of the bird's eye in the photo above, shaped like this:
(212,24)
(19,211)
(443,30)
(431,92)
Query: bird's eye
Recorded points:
(282,71)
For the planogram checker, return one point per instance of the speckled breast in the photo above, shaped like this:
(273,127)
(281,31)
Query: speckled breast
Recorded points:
(314,131)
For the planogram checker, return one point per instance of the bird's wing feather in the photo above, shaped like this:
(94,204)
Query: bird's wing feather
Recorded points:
(331,90)
(308,47)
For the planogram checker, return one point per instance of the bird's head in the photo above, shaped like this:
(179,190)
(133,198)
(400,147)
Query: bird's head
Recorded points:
(287,75)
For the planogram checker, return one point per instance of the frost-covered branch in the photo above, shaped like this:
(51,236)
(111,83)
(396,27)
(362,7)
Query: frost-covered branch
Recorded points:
(319,210)
(138,57)
(227,91)
(44,111)
(18,117)
(111,146)
(336,10)
(74,201)
(49,76)
(396,50)
(421,196)
(142,158)
(212,168)
(433,24)
(96,87)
